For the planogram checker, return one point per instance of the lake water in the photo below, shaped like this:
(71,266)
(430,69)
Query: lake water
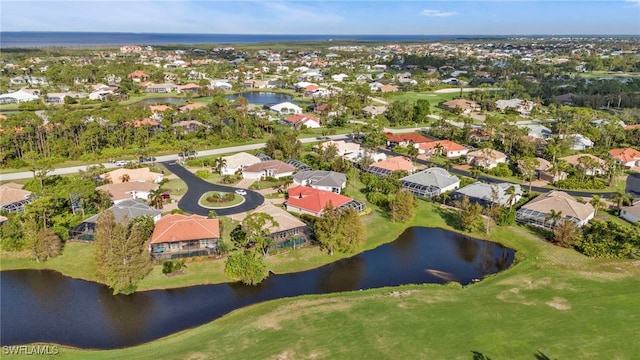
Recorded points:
(262,97)
(45,306)
(166,100)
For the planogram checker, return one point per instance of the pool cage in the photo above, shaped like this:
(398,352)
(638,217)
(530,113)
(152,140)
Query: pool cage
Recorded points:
(380,172)
(299,165)
(263,157)
(355,204)
(540,219)
(421,190)
(16,207)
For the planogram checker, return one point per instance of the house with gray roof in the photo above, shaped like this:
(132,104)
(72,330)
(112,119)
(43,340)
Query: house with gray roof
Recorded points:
(633,184)
(430,182)
(536,212)
(537,131)
(122,212)
(321,180)
(488,194)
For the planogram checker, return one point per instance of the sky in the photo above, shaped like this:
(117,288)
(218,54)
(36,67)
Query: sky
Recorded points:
(326,17)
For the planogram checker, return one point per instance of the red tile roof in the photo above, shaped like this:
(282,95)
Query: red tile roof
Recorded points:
(412,137)
(447,145)
(138,74)
(625,155)
(314,200)
(192,106)
(178,227)
(294,119)
(159,108)
(145,121)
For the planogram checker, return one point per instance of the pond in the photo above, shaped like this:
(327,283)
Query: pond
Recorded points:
(45,306)
(262,97)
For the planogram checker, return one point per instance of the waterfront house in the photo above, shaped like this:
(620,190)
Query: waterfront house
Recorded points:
(13,198)
(290,231)
(310,201)
(285,108)
(488,194)
(430,182)
(177,236)
(536,212)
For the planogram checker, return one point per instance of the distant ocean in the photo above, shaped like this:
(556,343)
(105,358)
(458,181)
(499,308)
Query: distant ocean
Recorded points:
(79,39)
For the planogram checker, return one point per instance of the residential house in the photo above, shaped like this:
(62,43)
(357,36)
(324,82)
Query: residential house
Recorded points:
(388,88)
(599,167)
(220,84)
(121,191)
(122,212)
(13,198)
(17,97)
(523,107)
(463,105)
(373,111)
(237,162)
(286,108)
(566,99)
(488,194)
(339,77)
(161,88)
(486,158)
(359,155)
(633,184)
(447,148)
(290,231)
(342,147)
(158,111)
(631,213)
(190,107)
(628,157)
(187,126)
(321,180)
(387,166)
(537,131)
(132,175)
(177,236)
(430,182)
(537,211)
(270,168)
(188,88)
(24,80)
(408,139)
(310,201)
(298,121)
(138,76)
(544,171)
(478,135)
(59,98)
(579,142)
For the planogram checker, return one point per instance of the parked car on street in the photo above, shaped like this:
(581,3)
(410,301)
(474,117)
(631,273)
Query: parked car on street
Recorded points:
(241,192)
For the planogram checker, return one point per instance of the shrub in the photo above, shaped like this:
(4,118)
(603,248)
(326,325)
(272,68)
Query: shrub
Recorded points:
(588,184)
(502,170)
(167,267)
(378,199)
(203,174)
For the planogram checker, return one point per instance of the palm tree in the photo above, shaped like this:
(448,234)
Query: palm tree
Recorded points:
(621,198)
(597,203)
(288,181)
(475,172)
(511,191)
(413,153)
(554,217)
(438,149)
(125,178)
(220,164)
(155,198)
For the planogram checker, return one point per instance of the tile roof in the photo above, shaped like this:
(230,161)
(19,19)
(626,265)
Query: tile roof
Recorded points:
(159,108)
(411,137)
(447,145)
(463,104)
(625,155)
(285,220)
(179,227)
(240,159)
(573,159)
(395,163)
(299,118)
(135,175)
(12,192)
(314,200)
(320,178)
(128,209)
(124,190)
(560,201)
(277,166)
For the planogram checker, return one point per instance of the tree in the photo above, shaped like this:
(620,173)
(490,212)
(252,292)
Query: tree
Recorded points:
(327,229)
(155,198)
(527,168)
(239,237)
(353,231)
(413,152)
(220,164)
(511,191)
(121,251)
(42,242)
(566,233)
(256,225)
(403,207)
(246,266)
(597,203)
(125,178)
(470,215)
(554,217)
(620,198)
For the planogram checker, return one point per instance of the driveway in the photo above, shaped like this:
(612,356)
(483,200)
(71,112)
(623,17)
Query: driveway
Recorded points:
(196,187)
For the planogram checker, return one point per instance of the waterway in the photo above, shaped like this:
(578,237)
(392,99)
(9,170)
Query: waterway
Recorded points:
(45,306)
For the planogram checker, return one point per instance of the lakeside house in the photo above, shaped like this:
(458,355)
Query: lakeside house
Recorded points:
(536,212)
(321,180)
(177,236)
(290,231)
(430,182)
(122,213)
(13,198)
(310,201)
(286,108)
(488,194)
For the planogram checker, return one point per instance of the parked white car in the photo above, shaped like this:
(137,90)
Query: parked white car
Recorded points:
(241,192)
(121,163)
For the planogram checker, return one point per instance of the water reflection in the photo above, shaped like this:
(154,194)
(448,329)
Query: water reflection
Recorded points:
(44,306)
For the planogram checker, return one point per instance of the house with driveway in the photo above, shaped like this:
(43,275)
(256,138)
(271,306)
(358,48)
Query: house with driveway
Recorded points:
(321,180)
(598,168)
(237,162)
(463,105)
(270,168)
(430,182)
(290,231)
(178,236)
(628,157)
(631,213)
(486,158)
(536,212)
(310,201)
(446,148)
(121,191)
(389,165)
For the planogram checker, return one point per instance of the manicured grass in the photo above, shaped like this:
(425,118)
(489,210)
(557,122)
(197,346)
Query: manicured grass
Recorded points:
(553,301)
(237,199)
(433,98)
(175,187)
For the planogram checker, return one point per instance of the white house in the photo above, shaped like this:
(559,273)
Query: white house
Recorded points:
(220,84)
(579,142)
(339,77)
(631,213)
(271,168)
(321,180)
(285,108)
(237,162)
(19,96)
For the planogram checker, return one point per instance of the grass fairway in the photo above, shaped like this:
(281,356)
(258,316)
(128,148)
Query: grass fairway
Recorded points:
(553,301)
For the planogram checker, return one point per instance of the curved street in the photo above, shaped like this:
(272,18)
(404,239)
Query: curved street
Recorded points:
(196,187)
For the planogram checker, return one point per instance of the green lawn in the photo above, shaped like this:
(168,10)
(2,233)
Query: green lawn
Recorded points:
(553,301)
(433,98)
(237,199)
(175,187)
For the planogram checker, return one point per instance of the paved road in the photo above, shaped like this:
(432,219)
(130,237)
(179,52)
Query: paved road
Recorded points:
(196,187)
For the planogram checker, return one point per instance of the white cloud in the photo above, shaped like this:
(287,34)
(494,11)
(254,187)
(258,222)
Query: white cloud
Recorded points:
(634,3)
(437,13)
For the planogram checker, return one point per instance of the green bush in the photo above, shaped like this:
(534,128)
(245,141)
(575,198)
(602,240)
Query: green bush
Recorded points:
(502,170)
(167,267)
(575,183)
(203,174)
(378,199)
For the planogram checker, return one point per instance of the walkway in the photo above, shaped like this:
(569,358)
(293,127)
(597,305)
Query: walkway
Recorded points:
(196,187)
